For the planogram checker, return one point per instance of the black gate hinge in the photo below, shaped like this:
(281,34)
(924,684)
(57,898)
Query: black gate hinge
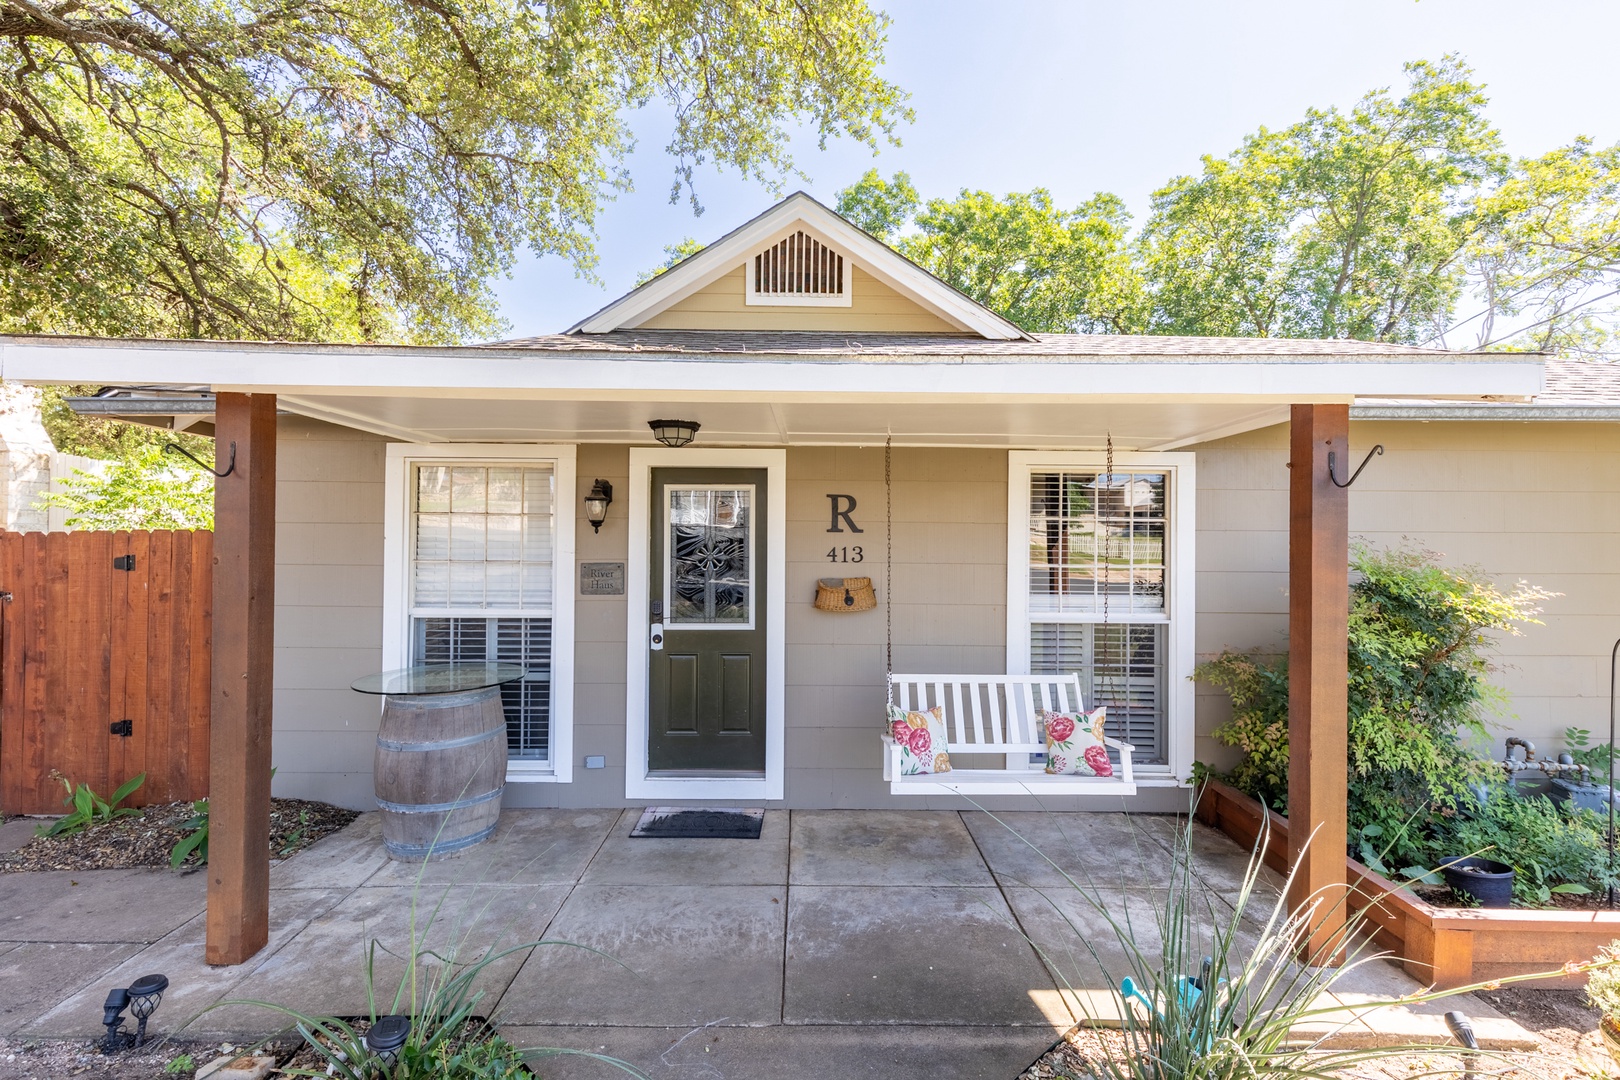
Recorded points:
(124,562)
(126,728)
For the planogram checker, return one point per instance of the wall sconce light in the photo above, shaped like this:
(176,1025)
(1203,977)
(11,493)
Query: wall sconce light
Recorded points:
(386,1036)
(596,504)
(674,433)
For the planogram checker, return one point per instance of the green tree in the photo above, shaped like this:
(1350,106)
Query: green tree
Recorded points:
(1345,225)
(147,489)
(294,168)
(1544,271)
(673,253)
(881,207)
(1047,269)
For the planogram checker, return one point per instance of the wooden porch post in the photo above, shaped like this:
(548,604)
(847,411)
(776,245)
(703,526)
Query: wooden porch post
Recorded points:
(1318,628)
(239,727)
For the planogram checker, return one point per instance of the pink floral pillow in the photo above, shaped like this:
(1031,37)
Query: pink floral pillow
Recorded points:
(1074,745)
(921,738)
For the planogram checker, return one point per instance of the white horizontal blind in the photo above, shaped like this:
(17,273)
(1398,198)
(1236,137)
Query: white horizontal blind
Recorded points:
(527,703)
(483,537)
(1093,533)
(799,265)
(1120,666)
(483,542)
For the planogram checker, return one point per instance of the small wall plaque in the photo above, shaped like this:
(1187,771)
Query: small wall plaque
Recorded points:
(601,579)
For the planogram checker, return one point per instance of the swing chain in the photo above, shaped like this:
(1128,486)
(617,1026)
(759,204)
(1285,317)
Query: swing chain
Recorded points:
(888,563)
(1107,576)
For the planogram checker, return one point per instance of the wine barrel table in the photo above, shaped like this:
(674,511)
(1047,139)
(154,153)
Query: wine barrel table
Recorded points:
(441,755)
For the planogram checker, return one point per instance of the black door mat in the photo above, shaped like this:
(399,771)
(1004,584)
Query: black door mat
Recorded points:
(700,823)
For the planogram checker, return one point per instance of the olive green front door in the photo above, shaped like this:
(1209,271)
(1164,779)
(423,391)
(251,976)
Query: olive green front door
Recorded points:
(706,656)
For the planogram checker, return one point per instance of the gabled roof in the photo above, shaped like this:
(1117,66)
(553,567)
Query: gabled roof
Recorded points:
(800,210)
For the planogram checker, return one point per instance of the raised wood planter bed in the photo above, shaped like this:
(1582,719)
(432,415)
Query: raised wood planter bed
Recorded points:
(1449,947)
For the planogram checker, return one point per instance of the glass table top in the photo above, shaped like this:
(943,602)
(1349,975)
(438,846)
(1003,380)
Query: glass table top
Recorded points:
(439,678)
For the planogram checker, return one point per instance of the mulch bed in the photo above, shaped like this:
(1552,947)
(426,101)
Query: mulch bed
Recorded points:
(145,839)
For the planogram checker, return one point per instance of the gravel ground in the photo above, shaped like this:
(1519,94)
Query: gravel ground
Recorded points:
(48,1059)
(146,838)
(1560,1019)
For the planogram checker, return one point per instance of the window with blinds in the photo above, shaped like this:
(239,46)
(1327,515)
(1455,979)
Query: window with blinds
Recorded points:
(483,579)
(1097,594)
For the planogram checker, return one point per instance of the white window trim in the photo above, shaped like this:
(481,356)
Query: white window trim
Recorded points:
(637,784)
(1180,601)
(397,579)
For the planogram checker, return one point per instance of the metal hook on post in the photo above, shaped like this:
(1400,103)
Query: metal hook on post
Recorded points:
(183,452)
(1333,476)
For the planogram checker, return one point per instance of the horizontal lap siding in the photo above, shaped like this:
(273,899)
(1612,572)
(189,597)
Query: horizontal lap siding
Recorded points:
(1532,501)
(874,308)
(329,545)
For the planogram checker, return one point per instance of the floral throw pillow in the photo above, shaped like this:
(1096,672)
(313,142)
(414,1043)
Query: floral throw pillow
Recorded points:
(1074,744)
(921,738)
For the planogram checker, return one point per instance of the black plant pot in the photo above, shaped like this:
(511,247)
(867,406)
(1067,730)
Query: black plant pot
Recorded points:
(1491,883)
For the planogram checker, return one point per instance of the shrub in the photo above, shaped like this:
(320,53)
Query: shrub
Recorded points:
(1417,666)
(1551,848)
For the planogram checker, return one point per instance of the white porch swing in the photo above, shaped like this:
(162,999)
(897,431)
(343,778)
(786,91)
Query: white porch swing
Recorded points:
(989,715)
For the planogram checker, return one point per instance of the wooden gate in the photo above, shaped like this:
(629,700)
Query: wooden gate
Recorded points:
(105,661)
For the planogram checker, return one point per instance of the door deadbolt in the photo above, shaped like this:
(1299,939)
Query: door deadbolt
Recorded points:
(657,637)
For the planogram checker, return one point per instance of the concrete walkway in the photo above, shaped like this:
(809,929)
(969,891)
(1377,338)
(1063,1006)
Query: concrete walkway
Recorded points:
(840,944)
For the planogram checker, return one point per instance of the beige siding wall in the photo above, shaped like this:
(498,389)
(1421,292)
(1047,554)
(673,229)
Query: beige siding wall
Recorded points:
(1532,501)
(874,308)
(329,552)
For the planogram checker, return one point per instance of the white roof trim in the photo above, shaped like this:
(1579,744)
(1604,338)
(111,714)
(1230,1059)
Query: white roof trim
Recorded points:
(795,212)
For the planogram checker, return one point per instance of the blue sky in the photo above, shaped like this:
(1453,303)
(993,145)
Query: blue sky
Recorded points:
(1114,96)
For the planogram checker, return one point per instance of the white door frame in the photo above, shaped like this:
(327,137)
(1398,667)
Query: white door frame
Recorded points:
(637,784)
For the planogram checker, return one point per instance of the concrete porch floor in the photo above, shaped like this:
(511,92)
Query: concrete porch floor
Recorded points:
(840,944)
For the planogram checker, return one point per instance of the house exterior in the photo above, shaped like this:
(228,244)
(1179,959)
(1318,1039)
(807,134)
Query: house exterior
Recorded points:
(1113,506)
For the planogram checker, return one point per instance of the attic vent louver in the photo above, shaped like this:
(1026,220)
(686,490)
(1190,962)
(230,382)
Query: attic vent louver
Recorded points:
(799,270)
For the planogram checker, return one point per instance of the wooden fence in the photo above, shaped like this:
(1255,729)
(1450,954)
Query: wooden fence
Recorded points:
(104,665)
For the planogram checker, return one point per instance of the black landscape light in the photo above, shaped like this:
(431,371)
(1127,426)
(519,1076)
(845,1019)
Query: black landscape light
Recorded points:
(112,1017)
(386,1036)
(674,433)
(597,502)
(145,994)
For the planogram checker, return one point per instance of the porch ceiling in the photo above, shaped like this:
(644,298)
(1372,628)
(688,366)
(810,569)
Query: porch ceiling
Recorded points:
(990,422)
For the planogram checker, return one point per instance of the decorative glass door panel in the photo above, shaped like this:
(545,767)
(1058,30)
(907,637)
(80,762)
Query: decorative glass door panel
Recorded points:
(708,579)
(706,662)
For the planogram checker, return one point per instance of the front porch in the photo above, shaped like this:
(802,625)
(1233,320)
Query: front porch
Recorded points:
(841,943)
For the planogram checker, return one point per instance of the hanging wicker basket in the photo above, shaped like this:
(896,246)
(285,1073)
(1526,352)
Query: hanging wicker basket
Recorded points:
(845,594)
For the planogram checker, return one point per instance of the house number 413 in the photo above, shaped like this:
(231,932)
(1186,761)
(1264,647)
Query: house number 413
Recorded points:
(845,554)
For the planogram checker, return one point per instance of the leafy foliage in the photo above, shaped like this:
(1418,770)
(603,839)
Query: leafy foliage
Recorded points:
(674,253)
(1578,744)
(309,170)
(1043,267)
(1346,224)
(88,808)
(1417,664)
(1551,848)
(1603,984)
(1397,219)
(194,841)
(147,490)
